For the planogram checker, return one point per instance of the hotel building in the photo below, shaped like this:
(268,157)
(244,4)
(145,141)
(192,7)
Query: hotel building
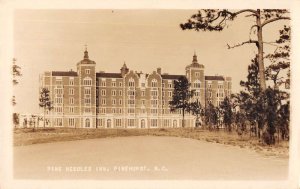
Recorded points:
(125,99)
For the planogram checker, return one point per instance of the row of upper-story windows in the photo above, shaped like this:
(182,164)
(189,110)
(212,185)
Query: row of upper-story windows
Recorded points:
(131,83)
(132,93)
(113,83)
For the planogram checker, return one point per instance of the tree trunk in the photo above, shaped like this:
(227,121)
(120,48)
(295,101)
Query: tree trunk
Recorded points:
(183,118)
(44,118)
(262,79)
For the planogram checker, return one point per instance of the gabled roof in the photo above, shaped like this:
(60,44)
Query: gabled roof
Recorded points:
(219,78)
(166,76)
(109,75)
(62,73)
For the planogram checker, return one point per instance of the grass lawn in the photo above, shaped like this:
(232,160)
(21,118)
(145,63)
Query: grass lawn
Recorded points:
(27,136)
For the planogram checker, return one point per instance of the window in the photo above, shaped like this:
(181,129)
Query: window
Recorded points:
(143,93)
(87,123)
(87,71)
(143,102)
(197,74)
(113,84)
(58,121)
(120,101)
(143,84)
(197,84)
(118,122)
(71,100)
(103,101)
(131,82)
(71,109)
(71,91)
(130,93)
(58,91)
(59,81)
(130,110)
(170,93)
(100,122)
(113,92)
(71,81)
(153,93)
(87,81)
(87,101)
(154,83)
(87,110)
(103,92)
(153,122)
(58,100)
(113,101)
(169,85)
(153,102)
(102,110)
(87,91)
(120,84)
(103,83)
(58,109)
(130,102)
(120,93)
(71,122)
(153,111)
(130,122)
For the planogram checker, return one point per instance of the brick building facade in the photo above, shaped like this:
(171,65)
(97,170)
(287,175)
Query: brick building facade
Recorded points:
(127,99)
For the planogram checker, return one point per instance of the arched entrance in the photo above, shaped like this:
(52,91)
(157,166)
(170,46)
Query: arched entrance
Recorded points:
(175,123)
(87,122)
(142,123)
(108,124)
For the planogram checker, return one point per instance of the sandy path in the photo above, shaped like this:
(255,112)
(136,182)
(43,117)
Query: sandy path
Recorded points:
(157,158)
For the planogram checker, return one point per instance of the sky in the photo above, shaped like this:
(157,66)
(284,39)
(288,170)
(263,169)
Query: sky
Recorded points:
(54,40)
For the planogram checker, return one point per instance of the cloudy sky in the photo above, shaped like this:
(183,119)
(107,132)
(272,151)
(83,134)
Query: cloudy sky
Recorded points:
(46,40)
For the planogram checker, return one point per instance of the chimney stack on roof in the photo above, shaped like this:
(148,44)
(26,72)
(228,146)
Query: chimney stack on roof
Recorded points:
(159,71)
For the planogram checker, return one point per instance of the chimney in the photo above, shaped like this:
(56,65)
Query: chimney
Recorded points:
(159,71)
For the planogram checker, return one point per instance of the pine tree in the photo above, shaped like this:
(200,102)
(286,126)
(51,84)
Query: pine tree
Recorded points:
(226,108)
(217,20)
(181,97)
(196,109)
(45,101)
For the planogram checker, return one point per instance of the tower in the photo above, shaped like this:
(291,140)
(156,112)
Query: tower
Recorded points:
(195,76)
(87,91)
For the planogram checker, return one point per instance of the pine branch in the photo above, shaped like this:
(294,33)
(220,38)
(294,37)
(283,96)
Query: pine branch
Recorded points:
(243,43)
(275,19)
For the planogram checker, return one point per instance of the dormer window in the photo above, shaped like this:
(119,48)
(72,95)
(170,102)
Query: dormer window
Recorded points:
(154,83)
(131,82)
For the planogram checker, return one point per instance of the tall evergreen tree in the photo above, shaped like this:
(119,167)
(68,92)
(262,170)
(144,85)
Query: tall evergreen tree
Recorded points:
(197,110)
(226,108)
(217,20)
(45,102)
(16,72)
(181,97)
(211,116)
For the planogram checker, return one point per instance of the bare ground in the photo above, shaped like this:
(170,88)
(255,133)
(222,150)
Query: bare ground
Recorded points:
(48,135)
(156,158)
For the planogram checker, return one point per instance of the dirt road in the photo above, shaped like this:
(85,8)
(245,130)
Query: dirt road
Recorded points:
(144,157)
